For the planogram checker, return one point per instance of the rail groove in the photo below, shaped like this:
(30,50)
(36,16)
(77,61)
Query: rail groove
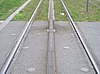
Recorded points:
(51,61)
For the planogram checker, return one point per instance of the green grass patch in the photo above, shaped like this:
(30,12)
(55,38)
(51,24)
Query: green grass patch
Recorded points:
(26,13)
(77,9)
(9,6)
(58,11)
(43,11)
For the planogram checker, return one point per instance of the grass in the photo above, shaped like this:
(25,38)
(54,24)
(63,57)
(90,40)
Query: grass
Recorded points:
(26,13)
(58,11)
(77,8)
(43,11)
(9,6)
(42,14)
(97,2)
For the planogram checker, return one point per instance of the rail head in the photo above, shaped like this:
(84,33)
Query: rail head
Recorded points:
(87,50)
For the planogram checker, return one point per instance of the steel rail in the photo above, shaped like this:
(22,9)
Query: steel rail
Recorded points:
(85,46)
(9,59)
(4,24)
(51,58)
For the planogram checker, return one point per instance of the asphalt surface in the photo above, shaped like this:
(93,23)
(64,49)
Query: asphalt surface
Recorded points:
(91,31)
(7,38)
(32,55)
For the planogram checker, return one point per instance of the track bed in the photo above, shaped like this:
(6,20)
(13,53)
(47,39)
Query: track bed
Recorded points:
(32,56)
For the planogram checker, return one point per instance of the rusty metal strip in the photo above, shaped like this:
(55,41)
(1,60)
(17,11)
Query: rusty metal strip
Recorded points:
(51,60)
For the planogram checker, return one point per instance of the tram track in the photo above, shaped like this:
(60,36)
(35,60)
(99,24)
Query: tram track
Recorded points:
(10,57)
(83,42)
(51,63)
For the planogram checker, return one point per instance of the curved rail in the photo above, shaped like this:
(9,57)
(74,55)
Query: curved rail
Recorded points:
(9,59)
(88,52)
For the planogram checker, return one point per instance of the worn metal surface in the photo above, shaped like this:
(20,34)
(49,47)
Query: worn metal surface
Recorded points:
(32,57)
(51,59)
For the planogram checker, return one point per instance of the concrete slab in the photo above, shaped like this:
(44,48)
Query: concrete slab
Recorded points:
(70,56)
(8,37)
(91,31)
(32,56)
(1,22)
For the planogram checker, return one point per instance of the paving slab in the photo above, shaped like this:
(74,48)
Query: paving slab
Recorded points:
(70,56)
(8,37)
(91,31)
(32,56)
